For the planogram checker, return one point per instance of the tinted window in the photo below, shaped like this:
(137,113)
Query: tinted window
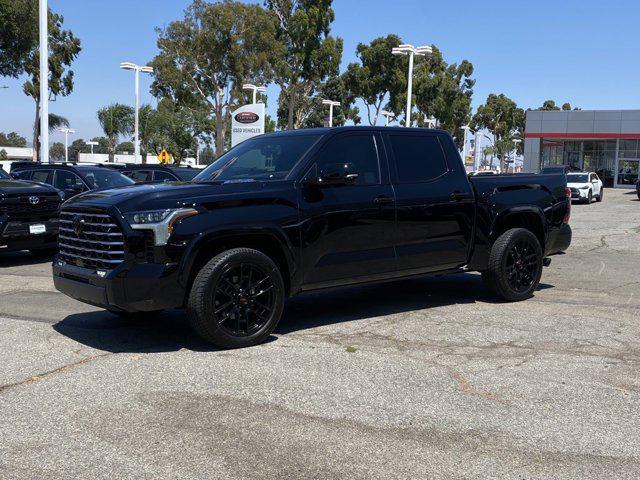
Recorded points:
(106,179)
(359,150)
(419,158)
(3,174)
(139,175)
(160,176)
(187,173)
(259,158)
(65,180)
(40,176)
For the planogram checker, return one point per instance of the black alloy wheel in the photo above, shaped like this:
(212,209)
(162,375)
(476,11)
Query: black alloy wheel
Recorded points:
(236,299)
(243,300)
(515,265)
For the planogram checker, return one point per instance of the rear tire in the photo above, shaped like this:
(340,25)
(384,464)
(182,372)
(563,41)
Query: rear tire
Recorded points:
(515,265)
(236,299)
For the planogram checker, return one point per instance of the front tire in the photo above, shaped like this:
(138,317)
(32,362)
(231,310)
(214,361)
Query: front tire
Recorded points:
(589,198)
(236,299)
(600,196)
(515,265)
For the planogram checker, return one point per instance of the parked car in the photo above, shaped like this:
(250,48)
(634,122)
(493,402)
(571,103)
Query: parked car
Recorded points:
(145,173)
(73,179)
(585,186)
(28,215)
(302,210)
(638,188)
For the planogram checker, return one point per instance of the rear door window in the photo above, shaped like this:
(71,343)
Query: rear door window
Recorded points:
(418,158)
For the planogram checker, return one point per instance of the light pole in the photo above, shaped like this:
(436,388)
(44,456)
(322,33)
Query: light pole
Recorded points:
(93,144)
(44,81)
(387,114)
(406,49)
(66,132)
(255,89)
(431,122)
(515,141)
(331,104)
(137,69)
(466,128)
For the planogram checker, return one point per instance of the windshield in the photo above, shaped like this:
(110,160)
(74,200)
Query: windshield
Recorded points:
(259,158)
(577,178)
(3,174)
(100,179)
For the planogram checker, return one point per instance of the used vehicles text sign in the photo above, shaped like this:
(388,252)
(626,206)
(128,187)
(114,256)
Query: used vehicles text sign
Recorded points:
(246,122)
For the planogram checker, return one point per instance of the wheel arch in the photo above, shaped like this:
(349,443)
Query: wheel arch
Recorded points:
(531,219)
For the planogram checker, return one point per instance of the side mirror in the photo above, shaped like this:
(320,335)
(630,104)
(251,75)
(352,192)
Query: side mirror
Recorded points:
(338,174)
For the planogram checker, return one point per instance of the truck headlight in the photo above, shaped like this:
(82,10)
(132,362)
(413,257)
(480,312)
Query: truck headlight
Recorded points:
(160,222)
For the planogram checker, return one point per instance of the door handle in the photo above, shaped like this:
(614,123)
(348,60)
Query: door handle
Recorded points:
(457,196)
(382,200)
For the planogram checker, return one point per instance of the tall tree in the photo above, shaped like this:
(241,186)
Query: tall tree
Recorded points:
(18,35)
(115,120)
(551,105)
(12,139)
(378,74)
(443,92)
(76,147)
(205,58)
(310,54)
(56,152)
(502,117)
(64,47)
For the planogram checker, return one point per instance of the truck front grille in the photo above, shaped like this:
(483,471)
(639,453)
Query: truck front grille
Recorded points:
(23,208)
(90,240)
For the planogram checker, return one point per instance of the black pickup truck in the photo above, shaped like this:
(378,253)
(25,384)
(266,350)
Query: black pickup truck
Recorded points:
(28,215)
(294,211)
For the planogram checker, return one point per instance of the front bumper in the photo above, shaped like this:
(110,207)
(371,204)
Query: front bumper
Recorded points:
(131,287)
(15,235)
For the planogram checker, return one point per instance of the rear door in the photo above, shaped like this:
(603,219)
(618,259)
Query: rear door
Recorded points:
(434,201)
(347,230)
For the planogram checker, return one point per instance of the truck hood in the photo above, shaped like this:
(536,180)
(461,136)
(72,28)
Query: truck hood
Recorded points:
(158,196)
(10,188)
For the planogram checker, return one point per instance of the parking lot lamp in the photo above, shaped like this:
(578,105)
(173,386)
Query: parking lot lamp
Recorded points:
(407,49)
(387,114)
(137,69)
(331,104)
(92,144)
(66,132)
(465,128)
(255,89)
(515,141)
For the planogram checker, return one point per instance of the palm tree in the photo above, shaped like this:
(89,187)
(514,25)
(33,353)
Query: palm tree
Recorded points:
(115,120)
(55,122)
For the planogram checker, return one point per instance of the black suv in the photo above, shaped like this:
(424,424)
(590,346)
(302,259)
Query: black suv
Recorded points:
(284,213)
(72,179)
(28,215)
(155,173)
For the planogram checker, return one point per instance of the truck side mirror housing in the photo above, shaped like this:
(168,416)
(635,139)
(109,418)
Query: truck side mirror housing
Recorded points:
(337,174)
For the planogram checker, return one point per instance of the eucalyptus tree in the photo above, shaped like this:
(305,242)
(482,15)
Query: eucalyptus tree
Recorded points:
(309,55)
(205,58)
(504,119)
(18,35)
(379,74)
(116,120)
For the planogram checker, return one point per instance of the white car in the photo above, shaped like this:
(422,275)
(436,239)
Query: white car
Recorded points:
(585,186)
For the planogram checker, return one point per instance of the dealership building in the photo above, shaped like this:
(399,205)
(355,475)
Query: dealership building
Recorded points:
(603,141)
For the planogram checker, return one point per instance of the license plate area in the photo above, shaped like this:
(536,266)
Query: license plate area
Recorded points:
(37,229)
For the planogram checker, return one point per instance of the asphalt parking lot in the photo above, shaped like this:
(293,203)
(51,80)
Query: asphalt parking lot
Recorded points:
(424,378)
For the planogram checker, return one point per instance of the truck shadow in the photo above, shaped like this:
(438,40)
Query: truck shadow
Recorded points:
(169,331)
(22,258)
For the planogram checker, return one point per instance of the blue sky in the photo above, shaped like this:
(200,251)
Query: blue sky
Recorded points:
(582,52)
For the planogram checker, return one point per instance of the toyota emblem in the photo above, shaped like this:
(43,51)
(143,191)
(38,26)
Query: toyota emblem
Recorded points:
(33,200)
(78,225)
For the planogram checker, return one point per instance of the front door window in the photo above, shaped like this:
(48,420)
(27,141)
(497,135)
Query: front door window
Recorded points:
(628,171)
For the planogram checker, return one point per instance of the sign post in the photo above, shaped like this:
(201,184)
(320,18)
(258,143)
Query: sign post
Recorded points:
(246,122)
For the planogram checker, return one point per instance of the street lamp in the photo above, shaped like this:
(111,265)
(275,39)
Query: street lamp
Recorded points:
(466,128)
(43,20)
(515,141)
(93,144)
(387,114)
(406,49)
(66,132)
(331,104)
(254,88)
(137,69)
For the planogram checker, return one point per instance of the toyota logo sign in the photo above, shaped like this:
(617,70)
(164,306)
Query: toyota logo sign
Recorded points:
(247,117)
(78,225)
(33,200)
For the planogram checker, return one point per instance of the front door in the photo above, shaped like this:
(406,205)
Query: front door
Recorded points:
(628,172)
(347,231)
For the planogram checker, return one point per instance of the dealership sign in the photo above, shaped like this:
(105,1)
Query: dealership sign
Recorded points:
(247,122)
